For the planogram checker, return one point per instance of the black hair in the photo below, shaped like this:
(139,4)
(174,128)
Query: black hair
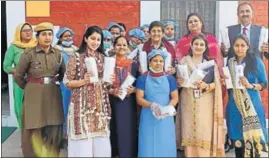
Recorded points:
(117,38)
(90,30)
(123,25)
(200,18)
(202,37)
(115,26)
(250,58)
(38,32)
(244,3)
(156,24)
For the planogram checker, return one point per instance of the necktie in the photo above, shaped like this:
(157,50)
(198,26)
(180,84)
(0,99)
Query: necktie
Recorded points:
(245,31)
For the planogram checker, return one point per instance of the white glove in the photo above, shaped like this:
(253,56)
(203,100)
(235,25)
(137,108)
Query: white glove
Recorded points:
(156,111)
(168,110)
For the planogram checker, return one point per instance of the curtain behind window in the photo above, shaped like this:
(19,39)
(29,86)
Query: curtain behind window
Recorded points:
(179,10)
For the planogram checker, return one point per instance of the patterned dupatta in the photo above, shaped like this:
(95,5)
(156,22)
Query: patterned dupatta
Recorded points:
(252,131)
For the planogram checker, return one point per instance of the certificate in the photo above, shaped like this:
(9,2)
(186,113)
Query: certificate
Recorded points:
(109,67)
(92,68)
(126,83)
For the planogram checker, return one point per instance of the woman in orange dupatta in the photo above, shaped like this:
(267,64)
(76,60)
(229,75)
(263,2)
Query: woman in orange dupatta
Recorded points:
(123,122)
(201,118)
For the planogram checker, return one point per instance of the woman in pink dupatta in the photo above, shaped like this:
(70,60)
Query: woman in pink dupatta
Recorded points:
(195,26)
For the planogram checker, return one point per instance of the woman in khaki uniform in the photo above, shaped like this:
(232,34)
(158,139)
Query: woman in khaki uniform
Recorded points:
(39,71)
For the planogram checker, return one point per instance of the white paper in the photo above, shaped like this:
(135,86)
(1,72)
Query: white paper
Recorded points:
(143,61)
(133,54)
(263,37)
(109,67)
(225,38)
(167,62)
(239,72)
(225,59)
(168,110)
(127,82)
(182,71)
(196,75)
(173,43)
(205,65)
(228,81)
(92,67)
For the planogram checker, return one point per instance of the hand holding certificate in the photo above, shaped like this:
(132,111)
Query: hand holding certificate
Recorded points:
(196,75)
(92,68)
(225,38)
(124,87)
(143,61)
(109,67)
(228,80)
(182,71)
(168,62)
(239,72)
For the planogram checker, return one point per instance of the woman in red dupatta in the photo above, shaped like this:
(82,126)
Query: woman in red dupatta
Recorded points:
(195,26)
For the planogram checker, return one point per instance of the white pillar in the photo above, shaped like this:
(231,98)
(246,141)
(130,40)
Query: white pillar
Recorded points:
(150,11)
(15,11)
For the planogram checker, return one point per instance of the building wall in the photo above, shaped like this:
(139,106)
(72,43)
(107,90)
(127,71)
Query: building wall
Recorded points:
(77,15)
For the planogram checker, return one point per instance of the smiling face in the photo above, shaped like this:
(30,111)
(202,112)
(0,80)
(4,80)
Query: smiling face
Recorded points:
(194,24)
(156,34)
(157,63)
(245,14)
(93,41)
(121,46)
(169,30)
(198,47)
(45,38)
(240,48)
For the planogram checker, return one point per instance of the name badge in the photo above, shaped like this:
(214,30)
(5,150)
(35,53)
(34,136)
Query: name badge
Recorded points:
(196,93)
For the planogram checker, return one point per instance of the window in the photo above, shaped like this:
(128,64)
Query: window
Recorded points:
(179,10)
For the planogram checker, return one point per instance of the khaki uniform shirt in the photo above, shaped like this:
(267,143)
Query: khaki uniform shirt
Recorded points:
(42,104)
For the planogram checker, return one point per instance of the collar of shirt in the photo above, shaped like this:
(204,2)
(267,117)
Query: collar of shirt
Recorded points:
(248,27)
(40,50)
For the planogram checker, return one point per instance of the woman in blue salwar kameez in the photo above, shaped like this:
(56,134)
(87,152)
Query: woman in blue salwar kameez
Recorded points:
(245,113)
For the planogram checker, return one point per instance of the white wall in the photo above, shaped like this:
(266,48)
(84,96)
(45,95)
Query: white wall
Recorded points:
(149,11)
(15,11)
(226,14)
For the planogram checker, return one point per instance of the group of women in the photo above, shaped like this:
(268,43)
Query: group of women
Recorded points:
(55,99)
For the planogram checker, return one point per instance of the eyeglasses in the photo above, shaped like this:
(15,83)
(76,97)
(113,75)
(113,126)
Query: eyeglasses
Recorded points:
(27,30)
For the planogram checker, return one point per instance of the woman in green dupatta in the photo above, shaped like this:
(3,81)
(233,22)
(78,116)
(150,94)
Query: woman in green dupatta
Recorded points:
(23,39)
(245,113)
